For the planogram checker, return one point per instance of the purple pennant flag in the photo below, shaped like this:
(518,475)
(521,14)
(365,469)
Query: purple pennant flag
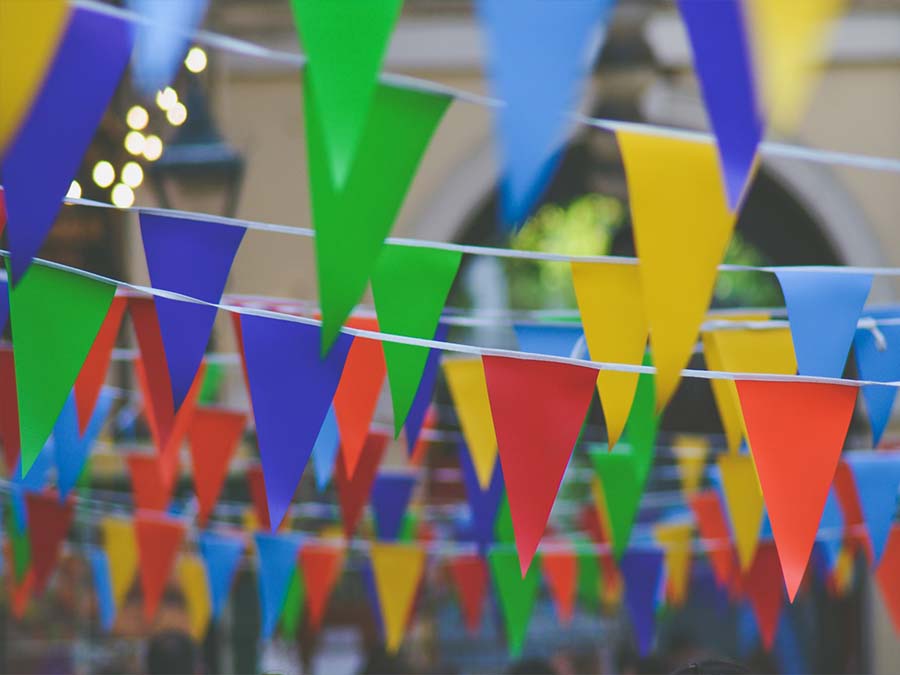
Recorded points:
(291,390)
(389,499)
(722,61)
(419,408)
(44,156)
(642,572)
(193,258)
(483,504)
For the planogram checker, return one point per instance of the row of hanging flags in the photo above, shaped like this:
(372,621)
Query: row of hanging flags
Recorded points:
(314,387)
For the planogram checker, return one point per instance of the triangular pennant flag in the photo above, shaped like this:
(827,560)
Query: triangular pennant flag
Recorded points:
(150,489)
(106,606)
(352,218)
(325,450)
(152,370)
(682,226)
(517,595)
(643,423)
(9,410)
(418,411)
(294,601)
(410,286)
(71,447)
(690,456)
(744,502)
(539,87)
(398,569)
(823,308)
(469,574)
(56,316)
(277,563)
(675,539)
(195,589)
(93,371)
(550,339)
(158,542)
(642,573)
(483,503)
(710,516)
(764,592)
(120,547)
(4,285)
(214,436)
(44,155)
(848,499)
(561,572)
(49,521)
(878,361)
(589,580)
(291,388)
(611,306)
(192,258)
(221,554)
(256,485)
(468,389)
(538,409)
(322,565)
(353,493)
(796,432)
(831,529)
(723,63)
(618,485)
(390,497)
(877,476)
(887,577)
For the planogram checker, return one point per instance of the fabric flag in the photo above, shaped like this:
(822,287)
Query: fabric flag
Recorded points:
(192,258)
(294,602)
(151,490)
(291,388)
(256,485)
(353,493)
(483,503)
(823,308)
(707,509)
(879,362)
(120,546)
(398,570)
(548,338)
(540,87)
(93,372)
(221,555)
(675,539)
(325,450)
(214,435)
(49,521)
(195,589)
(9,411)
(152,370)
(723,63)
(410,286)
(618,497)
(643,423)
(764,592)
(682,226)
(611,307)
(538,409)
(358,392)
(469,574)
(517,593)
(4,286)
(277,562)
(642,572)
(848,498)
(56,317)
(468,389)
(832,523)
(158,542)
(744,501)
(418,411)
(690,457)
(560,567)
(71,446)
(796,432)
(589,581)
(44,155)
(390,497)
(352,217)
(887,578)
(321,565)
(106,606)
(877,476)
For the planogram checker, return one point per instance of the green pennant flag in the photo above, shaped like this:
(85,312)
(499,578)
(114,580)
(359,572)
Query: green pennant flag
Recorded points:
(588,580)
(409,528)
(55,316)
(294,601)
(517,595)
(19,544)
(410,286)
(345,42)
(503,527)
(617,473)
(352,220)
(643,424)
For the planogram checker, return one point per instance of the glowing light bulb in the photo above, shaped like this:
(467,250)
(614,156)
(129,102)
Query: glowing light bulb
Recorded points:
(134,142)
(195,60)
(122,196)
(132,174)
(137,117)
(153,147)
(104,174)
(177,114)
(74,190)
(166,98)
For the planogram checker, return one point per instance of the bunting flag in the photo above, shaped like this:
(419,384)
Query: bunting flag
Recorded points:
(151,491)
(832,522)
(538,409)
(390,497)
(744,501)
(642,572)
(470,577)
(675,539)
(483,503)
(291,388)
(796,432)
(618,496)
(723,63)
(410,287)
(682,226)
(468,389)
(589,581)
(277,563)
(158,540)
(550,339)
(539,87)
(398,570)
(72,447)
(100,573)
(256,485)
(49,521)
(764,592)
(192,258)
(121,550)
(643,424)
(690,457)
(221,555)
(517,593)
(823,308)
(56,316)
(418,411)
(877,476)
(9,410)
(611,307)
(325,450)
(45,153)
(560,567)
(887,578)
(93,372)
(321,565)
(214,436)
(195,589)
(353,493)
(707,509)
(152,370)
(294,602)
(848,499)
(879,362)
(353,216)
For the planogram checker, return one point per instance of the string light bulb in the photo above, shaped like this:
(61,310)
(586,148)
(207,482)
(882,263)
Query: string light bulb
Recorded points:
(195,61)
(153,147)
(137,117)
(74,190)
(166,98)
(177,114)
(135,142)
(132,174)
(122,196)
(103,174)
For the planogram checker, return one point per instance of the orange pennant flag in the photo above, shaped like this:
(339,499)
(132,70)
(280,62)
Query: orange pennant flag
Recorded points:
(48,524)
(764,592)
(158,542)
(321,565)
(398,570)
(93,373)
(150,489)
(707,510)
(214,435)
(353,492)
(561,573)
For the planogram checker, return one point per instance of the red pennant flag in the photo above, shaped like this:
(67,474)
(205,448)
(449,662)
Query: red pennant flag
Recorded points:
(48,524)
(170,453)
(762,585)
(888,576)
(257,486)
(353,493)
(322,566)
(470,576)
(9,410)
(158,542)
(93,372)
(239,339)
(561,573)
(538,408)
(796,432)
(707,509)
(152,370)
(848,498)
(150,489)
(214,436)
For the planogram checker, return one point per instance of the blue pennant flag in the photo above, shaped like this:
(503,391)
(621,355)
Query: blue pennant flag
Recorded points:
(4,302)
(325,450)
(106,606)
(71,449)
(412,427)
(483,504)
(877,476)
(552,340)
(831,529)
(389,499)
(221,556)
(277,563)
(642,573)
(878,360)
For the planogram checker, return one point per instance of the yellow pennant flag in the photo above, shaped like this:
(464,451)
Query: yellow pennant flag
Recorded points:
(615,328)
(195,587)
(682,226)
(744,501)
(30,31)
(675,539)
(397,569)
(690,454)
(121,550)
(468,388)
(843,570)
